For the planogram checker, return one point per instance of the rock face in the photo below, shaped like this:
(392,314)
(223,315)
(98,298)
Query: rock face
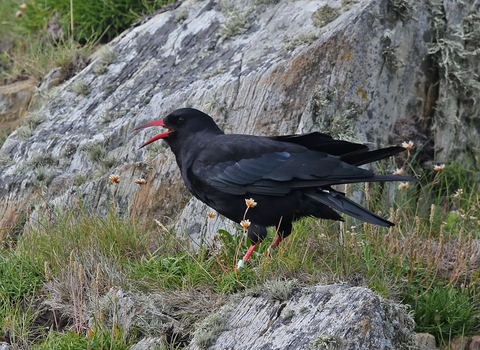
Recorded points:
(282,316)
(321,317)
(376,71)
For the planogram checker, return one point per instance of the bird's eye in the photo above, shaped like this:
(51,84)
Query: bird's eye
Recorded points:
(180,120)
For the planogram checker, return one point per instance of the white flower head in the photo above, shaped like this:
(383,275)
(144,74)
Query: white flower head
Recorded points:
(438,168)
(245,223)
(407,145)
(250,202)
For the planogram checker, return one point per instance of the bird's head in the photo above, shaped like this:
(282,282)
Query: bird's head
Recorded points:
(184,121)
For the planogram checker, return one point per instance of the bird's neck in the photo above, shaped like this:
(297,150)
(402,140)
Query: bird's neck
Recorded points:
(188,146)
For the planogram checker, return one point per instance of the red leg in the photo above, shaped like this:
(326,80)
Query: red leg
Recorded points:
(276,242)
(241,263)
(249,252)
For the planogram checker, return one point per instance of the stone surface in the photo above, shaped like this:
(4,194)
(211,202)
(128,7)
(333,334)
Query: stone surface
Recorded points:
(460,343)
(426,341)
(321,317)
(133,313)
(158,320)
(149,344)
(474,343)
(262,69)
(280,315)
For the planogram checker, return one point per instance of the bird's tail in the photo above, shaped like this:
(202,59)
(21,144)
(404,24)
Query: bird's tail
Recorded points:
(360,158)
(338,201)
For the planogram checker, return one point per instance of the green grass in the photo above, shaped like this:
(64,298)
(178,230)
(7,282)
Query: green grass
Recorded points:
(424,261)
(98,339)
(444,311)
(92,20)
(28,50)
(21,277)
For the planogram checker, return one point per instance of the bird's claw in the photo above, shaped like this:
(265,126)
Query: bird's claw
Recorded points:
(240,264)
(270,251)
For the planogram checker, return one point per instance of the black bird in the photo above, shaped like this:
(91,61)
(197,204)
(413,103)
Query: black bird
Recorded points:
(289,177)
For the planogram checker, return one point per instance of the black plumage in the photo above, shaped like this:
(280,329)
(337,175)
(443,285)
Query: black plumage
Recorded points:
(289,177)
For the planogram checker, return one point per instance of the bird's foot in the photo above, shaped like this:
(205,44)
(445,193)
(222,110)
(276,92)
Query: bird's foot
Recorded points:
(270,251)
(276,242)
(273,246)
(240,264)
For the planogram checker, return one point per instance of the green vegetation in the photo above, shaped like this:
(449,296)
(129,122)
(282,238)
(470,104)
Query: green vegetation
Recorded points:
(327,342)
(98,339)
(106,56)
(324,15)
(3,137)
(38,35)
(80,88)
(91,19)
(302,39)
(236,23)
(279,289)
(208,330)
(429,261)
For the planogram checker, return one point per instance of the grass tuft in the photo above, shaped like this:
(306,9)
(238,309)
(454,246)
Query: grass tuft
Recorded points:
(5,160)
(302,39)
(106,57)
(327,342)
(236,23)
(280,289)
(181,15)
(324,15)
(80,88)
(208,330)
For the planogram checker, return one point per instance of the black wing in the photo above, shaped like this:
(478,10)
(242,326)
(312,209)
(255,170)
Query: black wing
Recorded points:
(351,153)
(240,164)
(318,141)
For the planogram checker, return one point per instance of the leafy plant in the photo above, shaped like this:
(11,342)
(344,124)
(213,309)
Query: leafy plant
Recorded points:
(20,280)
(445,312)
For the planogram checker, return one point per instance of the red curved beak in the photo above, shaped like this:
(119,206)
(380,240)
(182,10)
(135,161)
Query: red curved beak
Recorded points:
(159,136)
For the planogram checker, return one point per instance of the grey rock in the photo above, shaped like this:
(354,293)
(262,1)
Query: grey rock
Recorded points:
(133,313)
(149,344)
(426,341)
(195,224)
(321,317)
(460,343)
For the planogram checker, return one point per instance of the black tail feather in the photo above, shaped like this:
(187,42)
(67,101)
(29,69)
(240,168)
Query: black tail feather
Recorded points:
(323,143)
(338,201)
(382,178)
(371,156)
